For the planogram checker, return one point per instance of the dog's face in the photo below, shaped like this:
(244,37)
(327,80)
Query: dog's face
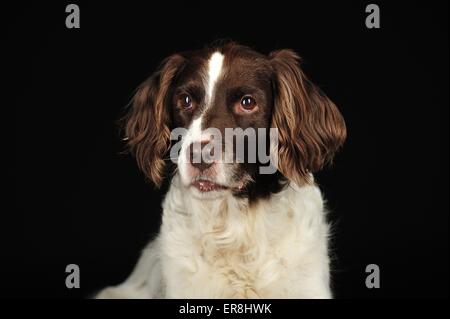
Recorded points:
(212,91)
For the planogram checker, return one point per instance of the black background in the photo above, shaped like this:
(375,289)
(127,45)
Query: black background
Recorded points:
(79,200)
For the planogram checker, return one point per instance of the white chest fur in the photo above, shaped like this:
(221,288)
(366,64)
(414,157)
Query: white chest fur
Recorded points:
(224,248)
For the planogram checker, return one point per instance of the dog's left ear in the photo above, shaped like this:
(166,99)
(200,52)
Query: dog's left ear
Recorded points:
(147,122)
(310,127)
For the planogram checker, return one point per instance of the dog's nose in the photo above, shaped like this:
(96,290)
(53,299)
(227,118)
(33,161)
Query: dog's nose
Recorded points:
(199,157)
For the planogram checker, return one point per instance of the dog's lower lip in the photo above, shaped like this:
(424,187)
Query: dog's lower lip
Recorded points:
(207,186)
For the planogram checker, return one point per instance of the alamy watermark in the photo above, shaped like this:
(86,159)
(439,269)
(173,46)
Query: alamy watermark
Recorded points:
(73,277)
(373,279)
(73,17)
(373,19)
(237,146)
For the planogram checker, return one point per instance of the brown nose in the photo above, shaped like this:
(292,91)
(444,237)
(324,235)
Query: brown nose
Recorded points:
(196,157)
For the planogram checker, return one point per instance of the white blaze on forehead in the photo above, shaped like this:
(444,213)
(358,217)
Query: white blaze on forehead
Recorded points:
(195,133)
(214,69)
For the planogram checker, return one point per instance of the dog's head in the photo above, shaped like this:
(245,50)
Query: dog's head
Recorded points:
(208,92)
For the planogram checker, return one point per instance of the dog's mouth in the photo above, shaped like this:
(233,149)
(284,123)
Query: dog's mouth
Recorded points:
(205,186)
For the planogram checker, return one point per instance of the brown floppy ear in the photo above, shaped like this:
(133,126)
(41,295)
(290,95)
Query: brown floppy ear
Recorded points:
(310,127)
(147,122)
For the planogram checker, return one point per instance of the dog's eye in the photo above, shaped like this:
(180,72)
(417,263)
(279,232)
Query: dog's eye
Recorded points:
(248,103)
(184,101)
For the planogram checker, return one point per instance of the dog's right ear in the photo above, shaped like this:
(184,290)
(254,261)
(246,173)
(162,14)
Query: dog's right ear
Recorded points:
(311,129)
(147,122)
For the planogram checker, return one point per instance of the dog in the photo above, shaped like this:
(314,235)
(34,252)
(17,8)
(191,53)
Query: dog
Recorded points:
(229,231)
